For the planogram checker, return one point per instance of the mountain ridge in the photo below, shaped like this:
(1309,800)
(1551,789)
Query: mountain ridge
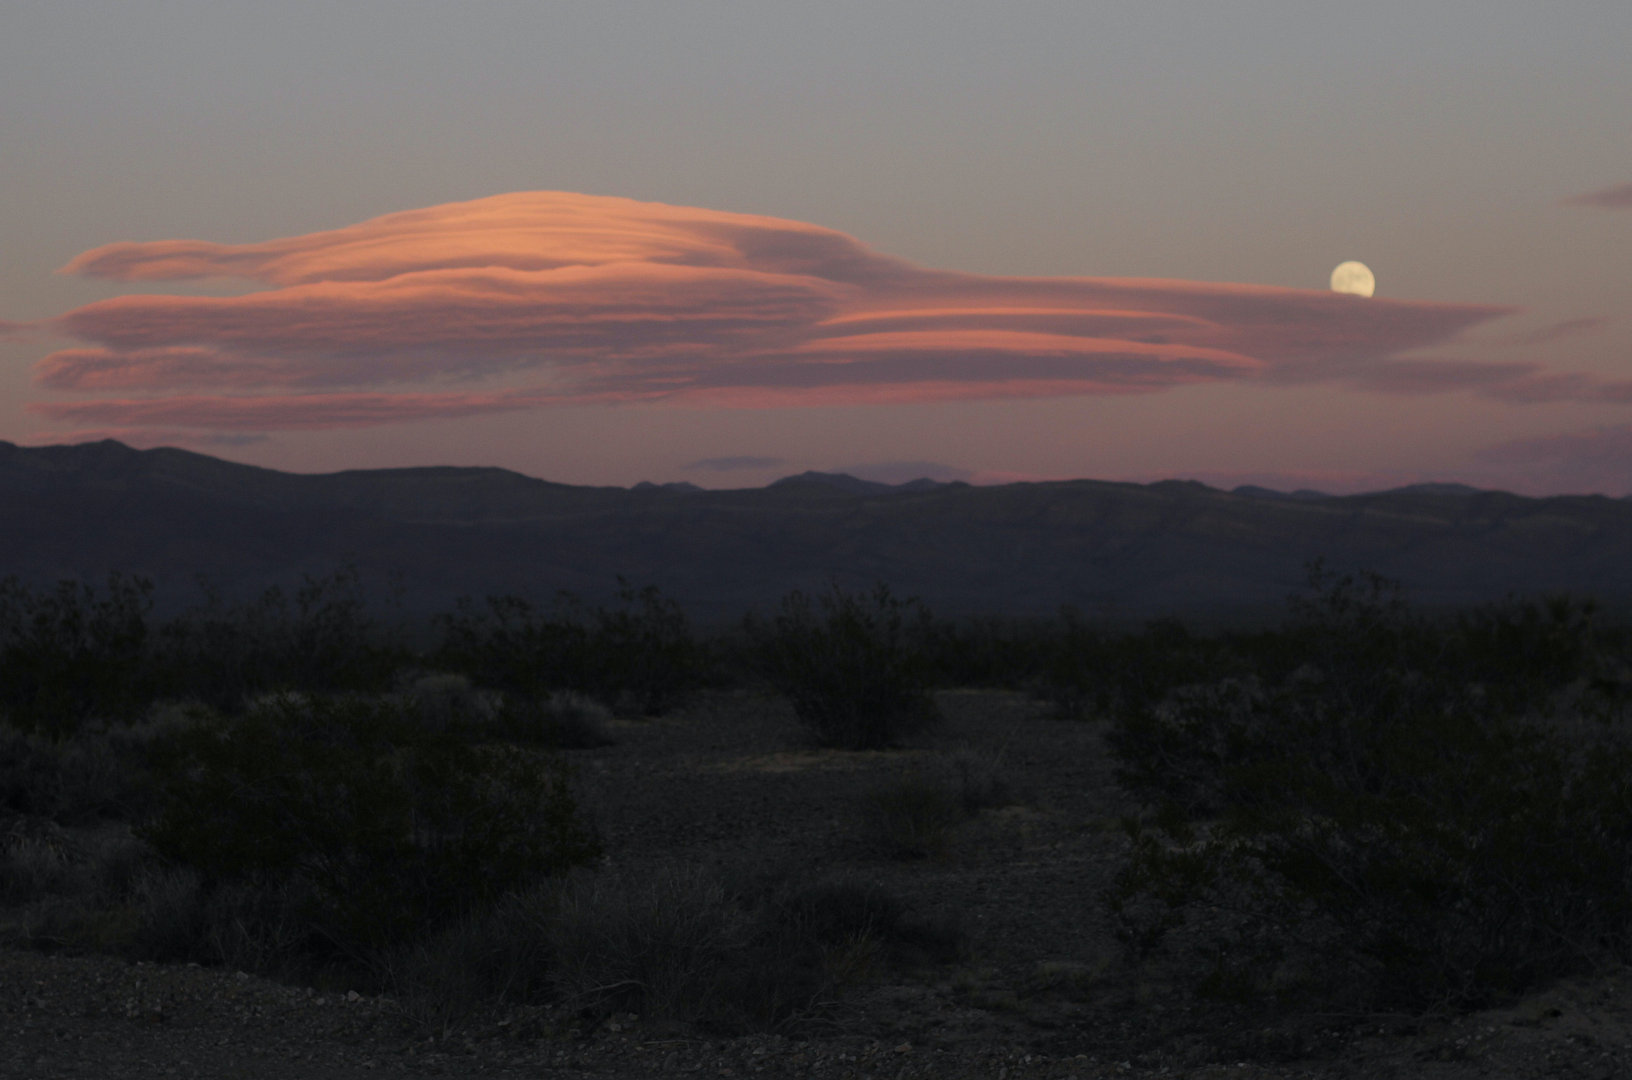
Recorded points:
(1111,548)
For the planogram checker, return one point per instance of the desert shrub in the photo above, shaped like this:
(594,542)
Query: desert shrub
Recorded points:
(67,892)
(74,781)
(687,944)
(912,817)
(1521,650)
(840,917)
(262,923)
(986,651)
(102,771)
(564,720)
(488,960)
(68,654)
(850,673)
(661,942)
(1086,671)
(445,703)
(1370,833)
(166,917)
(319,637)
(395,830)
(979,781)
(672,943)
(640,656)
(37,859)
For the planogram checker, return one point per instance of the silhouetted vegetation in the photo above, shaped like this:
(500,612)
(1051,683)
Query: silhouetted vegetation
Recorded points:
(851,672)
(395,829)
(1365,808)
(67,654)
(640,657)
(1392,812)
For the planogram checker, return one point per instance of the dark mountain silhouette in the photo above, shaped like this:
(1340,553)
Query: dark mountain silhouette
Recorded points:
(1255,492)
(857,486)
(1440,489)
(1116,550)
(673,485)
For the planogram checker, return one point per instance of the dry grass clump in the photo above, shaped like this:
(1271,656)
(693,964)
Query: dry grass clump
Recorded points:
(445,702)
(915,815)
(564,720)
(674,944)
(912,817)
(76,780)
(662,942)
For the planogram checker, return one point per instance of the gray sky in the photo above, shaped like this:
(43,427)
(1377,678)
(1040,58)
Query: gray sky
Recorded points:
(1251,144)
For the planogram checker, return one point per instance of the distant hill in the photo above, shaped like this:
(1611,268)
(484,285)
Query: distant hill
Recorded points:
(1115,550)
(1253,491)
(856,486)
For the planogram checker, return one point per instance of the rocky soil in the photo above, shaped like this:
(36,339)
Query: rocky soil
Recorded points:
(1042,989)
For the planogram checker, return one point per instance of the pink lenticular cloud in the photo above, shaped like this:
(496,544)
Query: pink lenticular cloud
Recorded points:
(537,298)
(268,412)
(1557,331)
(15,331)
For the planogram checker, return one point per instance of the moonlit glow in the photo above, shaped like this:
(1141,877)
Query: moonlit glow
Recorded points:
(1354,278)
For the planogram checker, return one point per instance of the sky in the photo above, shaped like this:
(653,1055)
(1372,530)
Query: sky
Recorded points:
(726,242)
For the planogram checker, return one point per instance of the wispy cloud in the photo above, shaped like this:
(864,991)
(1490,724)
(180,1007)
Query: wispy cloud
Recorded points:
(16,331)
(1566,328)
(285,412)
(1520,383)
(1612,198)
(536,298)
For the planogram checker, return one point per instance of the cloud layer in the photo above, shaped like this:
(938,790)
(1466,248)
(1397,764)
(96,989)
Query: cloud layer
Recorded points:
(531,299)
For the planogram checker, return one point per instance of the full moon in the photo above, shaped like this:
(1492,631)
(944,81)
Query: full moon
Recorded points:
(1355,278)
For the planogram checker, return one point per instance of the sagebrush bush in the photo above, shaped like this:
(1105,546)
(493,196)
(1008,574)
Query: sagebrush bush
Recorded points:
(75,780)
(639,657)
(446,703)
(34,864)
(564,720)
(1089,672)
(674,944)
(850,672)
(980,781)
(395,829)
(318,638)
(1372,831)
(664,942)
(914,815)
(69,655)
(488,960)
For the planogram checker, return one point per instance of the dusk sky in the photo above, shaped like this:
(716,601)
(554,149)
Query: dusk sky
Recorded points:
(608,242)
